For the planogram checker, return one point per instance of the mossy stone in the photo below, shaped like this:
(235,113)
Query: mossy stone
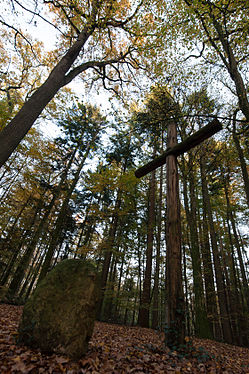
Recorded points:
(59,316)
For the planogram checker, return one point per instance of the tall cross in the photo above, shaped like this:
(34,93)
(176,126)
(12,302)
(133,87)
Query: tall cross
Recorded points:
(175,302)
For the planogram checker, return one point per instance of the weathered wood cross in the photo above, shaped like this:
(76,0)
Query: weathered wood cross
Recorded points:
(175,301)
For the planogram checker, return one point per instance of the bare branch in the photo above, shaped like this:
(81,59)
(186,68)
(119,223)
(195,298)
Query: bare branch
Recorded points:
(93,64)
(38,15)
(117,23)
(197,56)
(17,32)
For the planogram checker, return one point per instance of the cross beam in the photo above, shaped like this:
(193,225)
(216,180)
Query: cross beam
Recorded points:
(210,129)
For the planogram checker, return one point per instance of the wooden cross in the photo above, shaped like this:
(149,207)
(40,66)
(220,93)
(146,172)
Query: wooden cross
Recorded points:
(175,303)
(178,149)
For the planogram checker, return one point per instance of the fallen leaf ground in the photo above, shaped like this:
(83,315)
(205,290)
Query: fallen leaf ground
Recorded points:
(117,349)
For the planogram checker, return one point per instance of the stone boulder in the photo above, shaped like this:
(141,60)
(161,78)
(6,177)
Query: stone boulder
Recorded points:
(59,316)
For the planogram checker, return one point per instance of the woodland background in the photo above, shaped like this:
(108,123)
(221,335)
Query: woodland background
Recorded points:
(74,194)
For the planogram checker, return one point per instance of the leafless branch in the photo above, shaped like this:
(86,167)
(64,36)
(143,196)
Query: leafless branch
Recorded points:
(38,15)
(196,56)
(18,32)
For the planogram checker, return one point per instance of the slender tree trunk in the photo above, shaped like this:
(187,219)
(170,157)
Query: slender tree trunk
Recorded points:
(117,301)
(242,163)
(20,271)
(155,311)
(207,264)
(60,219)
(11,264)
(201,320)
(34,277)
(107,249)
(224,315)
(7,242)
(24,262)
(144,309)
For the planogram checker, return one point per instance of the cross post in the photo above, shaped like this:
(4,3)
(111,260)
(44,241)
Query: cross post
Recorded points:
(175,313)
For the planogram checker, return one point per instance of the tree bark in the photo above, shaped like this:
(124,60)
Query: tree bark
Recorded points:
(242,164)
(201,320)
(207,264)
(107,249)
(144,309)
(155,311)
(18,127)
(224,315)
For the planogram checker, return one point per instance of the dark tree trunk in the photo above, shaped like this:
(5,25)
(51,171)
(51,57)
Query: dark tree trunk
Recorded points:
(207,266)
(155,311)
(60,219)
(22,266)
(107,250)
(242,164)
(24,262)
(15,131)
(226,328)
(144,309)
(201,321)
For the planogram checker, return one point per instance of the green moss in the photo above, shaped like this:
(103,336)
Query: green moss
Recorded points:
(59,317)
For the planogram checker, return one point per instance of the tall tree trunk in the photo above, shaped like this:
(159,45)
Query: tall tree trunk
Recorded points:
(226,328)
(207,264)
(155,311)
(14,132)
(107,249)
(20,271)
(201,320)
(144,308)
(242,162)
(24,262)
(60,219)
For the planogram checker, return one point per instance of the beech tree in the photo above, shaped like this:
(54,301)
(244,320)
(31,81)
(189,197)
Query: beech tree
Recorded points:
(101,36)
(220,27)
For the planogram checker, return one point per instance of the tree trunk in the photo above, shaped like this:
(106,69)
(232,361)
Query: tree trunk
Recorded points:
(207,265)
(60,219)
(15,131)
(226,328)
(107,249)
(242,164)
(201,321)
(155,311)
(22,266)
(144,308)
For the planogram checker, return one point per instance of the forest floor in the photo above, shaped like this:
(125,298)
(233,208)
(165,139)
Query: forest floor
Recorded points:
(118,349)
